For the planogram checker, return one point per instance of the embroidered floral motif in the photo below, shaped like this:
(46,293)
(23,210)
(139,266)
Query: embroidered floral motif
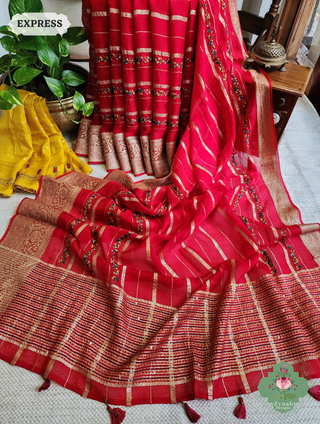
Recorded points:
(148,198)
(114,251)
(130,92)
(161,61)
(175,65)
(239,93)
(127,60)
(55,169)
(27,165)
(39,172)
(66,253)
(88,205)
(161,92)
(137,217)
(93,247)
(115,56)
(211,44)
(118,117)
(269,262)
(145,91)
(175,188)
(259,208)
(107,117)
(290,248)
(75,222)
(116,89)
(176,95)
(105,90)
(165,122)
(146,120)
(68,165)
(111,214)
(143,59)
(162,209)
(132,121)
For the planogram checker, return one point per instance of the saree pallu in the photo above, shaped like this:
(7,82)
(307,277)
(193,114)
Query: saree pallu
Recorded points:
(189,286)
(142,59)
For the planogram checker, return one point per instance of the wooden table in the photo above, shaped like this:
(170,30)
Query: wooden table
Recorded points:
(287,87)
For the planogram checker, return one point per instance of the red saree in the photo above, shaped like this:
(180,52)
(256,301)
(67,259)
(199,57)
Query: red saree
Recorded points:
(190,286)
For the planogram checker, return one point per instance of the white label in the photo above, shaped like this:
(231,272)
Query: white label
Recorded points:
(40,23)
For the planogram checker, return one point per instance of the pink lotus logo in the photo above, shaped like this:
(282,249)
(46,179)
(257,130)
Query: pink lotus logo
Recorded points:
(283,387)
(283,383)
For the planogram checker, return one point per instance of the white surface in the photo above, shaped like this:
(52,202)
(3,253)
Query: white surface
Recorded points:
(20,403)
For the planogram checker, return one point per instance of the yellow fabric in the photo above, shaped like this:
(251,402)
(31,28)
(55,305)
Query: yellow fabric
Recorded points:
(32,145)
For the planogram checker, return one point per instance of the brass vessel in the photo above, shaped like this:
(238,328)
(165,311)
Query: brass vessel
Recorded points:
(59,116)
(269,54)
(55,109)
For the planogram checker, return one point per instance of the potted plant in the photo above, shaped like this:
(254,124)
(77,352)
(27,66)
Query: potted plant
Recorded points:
(41,64)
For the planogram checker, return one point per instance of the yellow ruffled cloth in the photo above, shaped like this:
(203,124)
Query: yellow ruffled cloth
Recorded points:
(32,145)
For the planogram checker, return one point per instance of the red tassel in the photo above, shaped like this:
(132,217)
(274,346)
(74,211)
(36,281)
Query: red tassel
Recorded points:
(191,414)
(116,414)
(45,385)
(315,392)
(240,411)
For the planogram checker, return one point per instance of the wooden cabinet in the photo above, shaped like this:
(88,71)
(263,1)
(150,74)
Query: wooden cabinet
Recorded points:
(287,87)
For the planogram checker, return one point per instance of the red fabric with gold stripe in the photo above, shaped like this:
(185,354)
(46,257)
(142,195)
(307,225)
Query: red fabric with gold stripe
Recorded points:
(139,49)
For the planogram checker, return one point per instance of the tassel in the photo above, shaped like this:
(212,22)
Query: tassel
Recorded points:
(191,414)
(240,411)
(315,392)
(116,414)
(45,385)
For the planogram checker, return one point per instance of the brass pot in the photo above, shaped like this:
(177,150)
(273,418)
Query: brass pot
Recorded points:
(269,54)
(56,111)
(60,117)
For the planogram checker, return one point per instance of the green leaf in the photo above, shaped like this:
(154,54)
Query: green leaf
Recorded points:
(64,48)
(56,86)
(7,97)
(7,30)
(5,105)
(57,72)
(11,96)
(9,43)
(78,101)
(15,94)
(23,59)
(71,78)
(75,35)
(64,60)
(30,42)
(53,41)
(24,75)
(4,63)
(290,396)
(47,55)
(22,6)
(88,108)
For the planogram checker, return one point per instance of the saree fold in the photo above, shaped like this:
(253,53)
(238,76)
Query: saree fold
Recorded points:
(189,286)
(32,145)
